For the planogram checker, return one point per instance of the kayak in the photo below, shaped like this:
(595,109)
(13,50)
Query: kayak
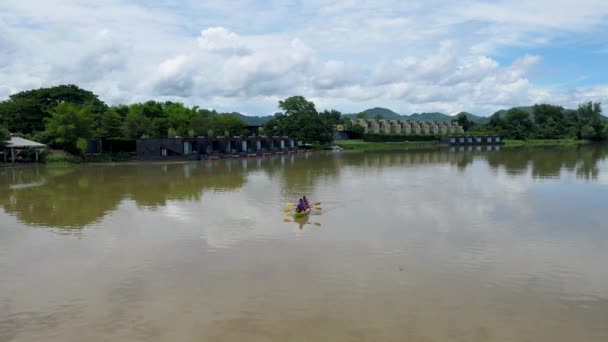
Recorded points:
(302,213)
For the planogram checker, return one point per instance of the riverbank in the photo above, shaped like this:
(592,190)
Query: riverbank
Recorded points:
(545,142)
(359,145)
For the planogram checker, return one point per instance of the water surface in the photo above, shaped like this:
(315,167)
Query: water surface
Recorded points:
(432,245)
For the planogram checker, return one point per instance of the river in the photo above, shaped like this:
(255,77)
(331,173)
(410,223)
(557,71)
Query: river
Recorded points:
(423,245)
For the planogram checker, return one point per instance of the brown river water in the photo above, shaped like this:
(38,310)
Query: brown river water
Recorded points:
(427,245)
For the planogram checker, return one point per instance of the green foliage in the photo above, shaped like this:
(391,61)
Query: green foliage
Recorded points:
(137,125)
(200,123)
(4,136)
(171,133)
(463,120)
(380,137)
(81,145)
(228,123)
(518,123)
(61,158)
(111,125)
(24,112)
(356,132)
(590,121)
(587,132)
(331,117)
(69,122)
(544,121)
(271,127)
(302,121)
(178,116)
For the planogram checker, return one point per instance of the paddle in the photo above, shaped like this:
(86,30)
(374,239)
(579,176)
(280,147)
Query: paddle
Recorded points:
(291,204)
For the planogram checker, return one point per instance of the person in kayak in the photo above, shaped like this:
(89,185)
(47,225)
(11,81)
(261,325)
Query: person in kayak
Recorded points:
(305,200)
(301,206)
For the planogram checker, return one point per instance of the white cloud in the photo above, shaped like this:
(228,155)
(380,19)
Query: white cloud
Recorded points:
(348,54)
(220,40)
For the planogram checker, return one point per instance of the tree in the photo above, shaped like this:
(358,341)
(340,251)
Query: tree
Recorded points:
(590,114)
(200,123)
(179,117)
(227,123)
(587,132)
(550,121)
(160,127)
(361,115)
(356,132)
(5,136)
(111,125)
(379,116)
(137,125)
(271,127)
(24,112)
(463,121)
(302,121)
(331,117)
(517,123)
(297,105)
(69,122)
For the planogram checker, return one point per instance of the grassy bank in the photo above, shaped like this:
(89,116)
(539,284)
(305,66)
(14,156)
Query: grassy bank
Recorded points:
(358,145)
(545,142)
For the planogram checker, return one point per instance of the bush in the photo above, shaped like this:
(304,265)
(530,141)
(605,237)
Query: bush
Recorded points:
(61,159)
(378,137)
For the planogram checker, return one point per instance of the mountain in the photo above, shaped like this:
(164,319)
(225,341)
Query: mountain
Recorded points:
(388,114)
(479,120)
(252,120)
(528,109)
(435,116)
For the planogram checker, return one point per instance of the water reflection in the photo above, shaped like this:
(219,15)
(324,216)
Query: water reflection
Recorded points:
(72,197)
(432,245)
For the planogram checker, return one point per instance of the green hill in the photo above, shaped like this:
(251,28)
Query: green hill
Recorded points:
(479,120)
(434,116)
(388,114)
(252,120)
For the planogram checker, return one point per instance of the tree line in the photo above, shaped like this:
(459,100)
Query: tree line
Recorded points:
(544,121)
(67,117)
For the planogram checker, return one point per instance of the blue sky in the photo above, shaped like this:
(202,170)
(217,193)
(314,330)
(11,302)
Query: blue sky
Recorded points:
(350,55)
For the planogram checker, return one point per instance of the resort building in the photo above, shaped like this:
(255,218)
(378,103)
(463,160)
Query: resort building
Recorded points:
(407,127)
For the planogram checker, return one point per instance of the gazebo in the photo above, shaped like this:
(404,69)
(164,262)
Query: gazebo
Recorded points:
(16,144)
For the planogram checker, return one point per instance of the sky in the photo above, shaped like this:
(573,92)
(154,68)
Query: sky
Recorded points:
(349,55)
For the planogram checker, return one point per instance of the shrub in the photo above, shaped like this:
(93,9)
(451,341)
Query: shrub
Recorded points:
(62,158)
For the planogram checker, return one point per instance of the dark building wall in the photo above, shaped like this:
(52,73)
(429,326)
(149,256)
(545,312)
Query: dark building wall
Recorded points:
(472,140)
(151,149)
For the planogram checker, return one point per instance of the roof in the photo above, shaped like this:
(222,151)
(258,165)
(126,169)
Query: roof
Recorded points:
(18,142)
